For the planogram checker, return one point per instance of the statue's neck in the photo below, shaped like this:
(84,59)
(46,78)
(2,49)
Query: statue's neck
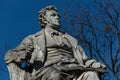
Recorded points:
(51,28)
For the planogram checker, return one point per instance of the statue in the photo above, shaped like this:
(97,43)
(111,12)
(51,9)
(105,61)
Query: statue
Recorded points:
(51,54)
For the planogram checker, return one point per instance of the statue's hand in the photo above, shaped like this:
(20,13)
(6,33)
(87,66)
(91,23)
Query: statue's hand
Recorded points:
(29,48)
(98,65)
(94,64)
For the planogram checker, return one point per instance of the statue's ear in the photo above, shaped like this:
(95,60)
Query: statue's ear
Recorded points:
(43,19)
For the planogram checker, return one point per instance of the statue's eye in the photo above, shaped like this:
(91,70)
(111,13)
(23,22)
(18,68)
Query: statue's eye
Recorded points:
(53,15)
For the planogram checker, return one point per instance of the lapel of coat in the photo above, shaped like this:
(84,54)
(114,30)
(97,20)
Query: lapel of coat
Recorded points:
(40,40)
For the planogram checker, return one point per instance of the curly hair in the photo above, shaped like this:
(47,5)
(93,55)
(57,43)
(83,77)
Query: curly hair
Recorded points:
(41,15)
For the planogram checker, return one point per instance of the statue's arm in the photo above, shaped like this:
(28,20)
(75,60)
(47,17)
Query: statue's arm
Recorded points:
(81,55)
(15,57)
(21,52)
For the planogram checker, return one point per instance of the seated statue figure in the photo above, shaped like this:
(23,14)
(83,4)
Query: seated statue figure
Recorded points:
(51,54)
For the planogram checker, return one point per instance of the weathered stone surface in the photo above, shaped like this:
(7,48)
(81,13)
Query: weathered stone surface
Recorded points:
(51,54)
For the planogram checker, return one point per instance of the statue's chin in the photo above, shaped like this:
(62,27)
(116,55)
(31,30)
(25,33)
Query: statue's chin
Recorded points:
(56,27)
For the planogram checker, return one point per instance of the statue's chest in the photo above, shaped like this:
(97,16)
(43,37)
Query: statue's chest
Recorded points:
(57,41)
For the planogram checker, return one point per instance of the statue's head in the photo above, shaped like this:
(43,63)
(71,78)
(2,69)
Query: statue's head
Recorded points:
(49,16)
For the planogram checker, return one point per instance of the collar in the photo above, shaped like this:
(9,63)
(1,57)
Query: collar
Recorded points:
(53,32)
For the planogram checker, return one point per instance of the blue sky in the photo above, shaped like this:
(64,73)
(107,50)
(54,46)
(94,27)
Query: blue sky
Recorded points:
(19,18)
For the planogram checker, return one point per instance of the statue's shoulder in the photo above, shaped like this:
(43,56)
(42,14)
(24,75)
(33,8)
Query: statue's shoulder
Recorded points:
(31,37)
(70,37)
(39,33)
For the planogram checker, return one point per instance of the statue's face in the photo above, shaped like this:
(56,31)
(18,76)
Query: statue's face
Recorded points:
(53,19)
